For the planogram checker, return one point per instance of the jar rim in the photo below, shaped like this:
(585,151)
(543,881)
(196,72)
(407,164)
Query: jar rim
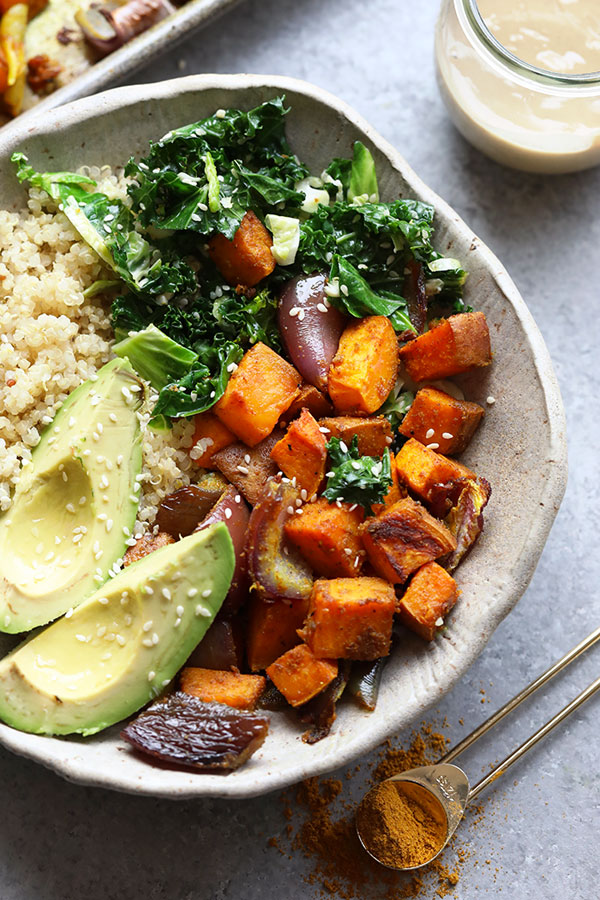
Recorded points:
(526,69)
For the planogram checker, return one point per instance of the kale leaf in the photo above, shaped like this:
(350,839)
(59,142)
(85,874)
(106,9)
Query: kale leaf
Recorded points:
(204,177)
(354,478)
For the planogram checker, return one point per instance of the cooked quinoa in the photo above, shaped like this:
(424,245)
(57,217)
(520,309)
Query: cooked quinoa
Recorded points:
(52,338)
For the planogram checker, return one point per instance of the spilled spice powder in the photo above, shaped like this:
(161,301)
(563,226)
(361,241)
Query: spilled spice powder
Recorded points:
(340,867)
(402,824)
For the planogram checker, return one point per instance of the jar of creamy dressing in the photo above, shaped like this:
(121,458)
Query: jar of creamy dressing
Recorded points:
(521,79)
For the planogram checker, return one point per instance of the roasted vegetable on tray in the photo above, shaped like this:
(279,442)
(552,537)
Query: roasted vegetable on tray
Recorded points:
(291,316)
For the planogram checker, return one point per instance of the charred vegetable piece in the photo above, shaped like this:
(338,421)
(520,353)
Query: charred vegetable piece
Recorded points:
(440,421)
(249,468)
(187,732)
(146,545)
(465,520)
(310,328)
(300,675)
(301,454)
(363,371)
(231,509)
(350,618)
(364,681)
(110,26)
(222,647)
(259,391)
(272,698)
(320,712)
(403,538)
(181,512)
(431,594)
(415,295)
(277,571)
(456,345)
(41,73)
(230,688)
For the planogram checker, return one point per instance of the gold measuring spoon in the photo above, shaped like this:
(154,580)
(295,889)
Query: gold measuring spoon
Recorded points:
(442,791)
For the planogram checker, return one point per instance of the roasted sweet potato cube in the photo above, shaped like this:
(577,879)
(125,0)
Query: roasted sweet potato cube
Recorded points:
(457,344)
(248,468)
(302,453)
(247,259)
(373,434)
(403,538)
(310,398)
(328,536)
(210,436)
(420,468)
(431,594)
(299,675)
(231,688)
(363,371)
(146,545)
(272,629)
(262,387)
(440,421)
(350,618)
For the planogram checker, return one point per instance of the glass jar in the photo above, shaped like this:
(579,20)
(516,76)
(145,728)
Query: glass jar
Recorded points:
(520,115)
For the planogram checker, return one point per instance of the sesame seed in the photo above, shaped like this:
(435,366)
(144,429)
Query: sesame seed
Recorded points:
(228,513)
(321,307)
(298,501)
(433,446)
(439,622)
(491,400)
(70,508)
(166,593)
(290,510)
(77,538)
(304,494)
(294,311)
(447,436)
(121,640)
(356,465)
(147,642)
(177,623)
(237,498)
(147,625)
(344,289)
(151,675)
(102,517)
(329,474)
(119,459)
(348,551)
(180,611)
(232,367)
(147,589)
(126,531)
(81,638)
(103,482)
(324,430)
(69,613)
(112,417)
(72,421)
(202,611)
(207,592)
(429,433)
(301,314)
(192,592)
(299,511)
(343,447)
(109,524)
(103,601)
(82,501)
(389,261)
(356,561)
(243,470)
(155,639)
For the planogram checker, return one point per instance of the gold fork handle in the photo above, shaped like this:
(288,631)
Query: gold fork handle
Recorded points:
(532,741)
(544,678)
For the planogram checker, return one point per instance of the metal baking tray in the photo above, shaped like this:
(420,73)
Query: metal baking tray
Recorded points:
(163,36)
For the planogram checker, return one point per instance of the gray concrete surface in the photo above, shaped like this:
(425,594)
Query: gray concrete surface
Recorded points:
(539,834)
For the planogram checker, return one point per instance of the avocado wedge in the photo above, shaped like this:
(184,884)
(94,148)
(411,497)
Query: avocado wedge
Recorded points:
(75,503)
(121,646)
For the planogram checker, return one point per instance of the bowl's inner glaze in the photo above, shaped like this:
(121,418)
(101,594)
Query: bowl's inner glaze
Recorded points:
(520,447)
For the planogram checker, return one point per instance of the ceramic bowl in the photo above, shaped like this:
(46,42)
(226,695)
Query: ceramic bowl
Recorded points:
(520,448)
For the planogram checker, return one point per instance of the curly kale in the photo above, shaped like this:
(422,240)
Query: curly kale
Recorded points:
(364,480)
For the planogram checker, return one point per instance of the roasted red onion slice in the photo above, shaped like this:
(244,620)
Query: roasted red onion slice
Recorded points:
(310,328)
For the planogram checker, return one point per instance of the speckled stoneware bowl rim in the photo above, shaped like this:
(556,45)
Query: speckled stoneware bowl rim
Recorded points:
(68,756)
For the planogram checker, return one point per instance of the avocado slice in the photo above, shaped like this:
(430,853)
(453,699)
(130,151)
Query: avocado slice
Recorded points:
(121,646)
(75,503)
